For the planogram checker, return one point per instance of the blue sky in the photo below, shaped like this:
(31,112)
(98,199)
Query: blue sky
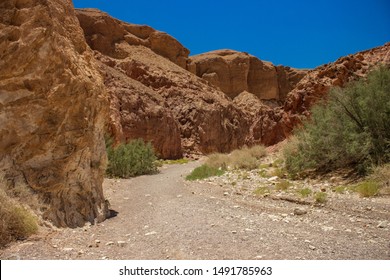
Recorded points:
(301,34)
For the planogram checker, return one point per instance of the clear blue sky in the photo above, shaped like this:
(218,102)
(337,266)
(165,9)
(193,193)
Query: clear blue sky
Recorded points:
(302,34)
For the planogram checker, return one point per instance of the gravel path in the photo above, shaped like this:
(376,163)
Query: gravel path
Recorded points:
(163,216)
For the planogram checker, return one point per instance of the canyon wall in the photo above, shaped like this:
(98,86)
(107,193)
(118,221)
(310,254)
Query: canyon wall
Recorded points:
(53,108)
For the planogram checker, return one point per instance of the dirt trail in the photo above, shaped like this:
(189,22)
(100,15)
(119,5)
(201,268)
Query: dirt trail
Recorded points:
(165,217)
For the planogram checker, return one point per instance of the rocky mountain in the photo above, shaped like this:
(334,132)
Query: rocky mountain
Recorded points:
(68,75)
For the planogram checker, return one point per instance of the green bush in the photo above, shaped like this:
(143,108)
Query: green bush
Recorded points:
(132,159)
(350,128)
(204,171)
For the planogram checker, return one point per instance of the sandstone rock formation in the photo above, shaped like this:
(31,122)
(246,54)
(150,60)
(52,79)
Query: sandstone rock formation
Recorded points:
(317,82)
(206,118)
(138,112)
(234,72)
(52,110)
(104,33)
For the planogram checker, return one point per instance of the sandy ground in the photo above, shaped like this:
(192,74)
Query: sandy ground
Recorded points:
(163,216)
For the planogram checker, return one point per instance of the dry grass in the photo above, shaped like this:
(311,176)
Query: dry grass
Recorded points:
(244,158)
(16,222)
(381,175)
(218,161)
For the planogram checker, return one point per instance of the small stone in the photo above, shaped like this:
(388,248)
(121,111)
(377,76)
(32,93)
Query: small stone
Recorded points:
(284,215)
(311,247)
(382,224)
(348,230)
(234,231)
(274,178)
(325,228)
(300,211)
(259,257)
(225,193)
(150,233)
(121,243)
(307,241)
(97,241)
(80,252)
(179,196)
(110,243)
(236,206)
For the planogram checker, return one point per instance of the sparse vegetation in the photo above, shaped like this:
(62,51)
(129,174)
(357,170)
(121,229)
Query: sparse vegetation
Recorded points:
(131,159)
(367,188)
(305,192)
(204,171)
(16,222)
(172,161)
(350,129)
(283,185)
(381,175)
(244,158)
(321,197)
(340,189)
(261,191)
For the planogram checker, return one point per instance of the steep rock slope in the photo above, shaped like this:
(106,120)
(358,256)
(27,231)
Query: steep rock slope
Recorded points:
(234,72)
(52,110)
(138,112)
(315,85)
(208,121)
(104,33)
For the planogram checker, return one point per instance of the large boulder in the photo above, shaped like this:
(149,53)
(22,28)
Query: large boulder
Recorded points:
(52,110)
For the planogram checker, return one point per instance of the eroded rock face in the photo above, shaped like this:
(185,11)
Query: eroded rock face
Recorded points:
(206,118)
(52,110)
(138,112)
(103,33)
(317,82)
(234,72)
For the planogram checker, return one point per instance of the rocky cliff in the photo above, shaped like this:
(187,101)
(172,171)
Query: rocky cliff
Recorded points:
(175,110)
(52,110)
(237,98)
(234,72)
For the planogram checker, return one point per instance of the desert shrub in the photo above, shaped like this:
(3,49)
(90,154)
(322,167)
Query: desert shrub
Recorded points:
(283,185)
(132,159)
(218,160)
(257,151)
(16,223)
(350,128)
(262,191)
(367,188)
(242,159)
(321,197)
(305,192)
(204,171)
(381,175)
